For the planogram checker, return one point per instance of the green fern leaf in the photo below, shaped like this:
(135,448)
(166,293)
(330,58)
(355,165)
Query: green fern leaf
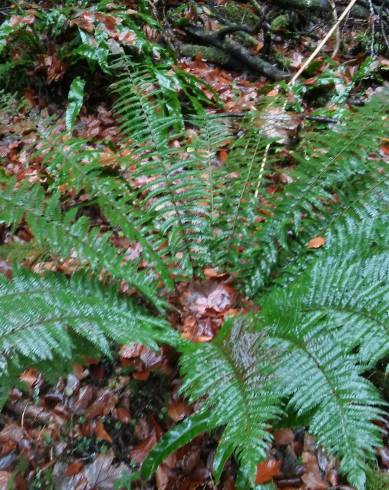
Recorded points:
(41,316)
(338,159)
(65,236)
(234,373)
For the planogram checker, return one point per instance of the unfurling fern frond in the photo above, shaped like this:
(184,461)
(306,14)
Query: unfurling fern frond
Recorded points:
(43,317)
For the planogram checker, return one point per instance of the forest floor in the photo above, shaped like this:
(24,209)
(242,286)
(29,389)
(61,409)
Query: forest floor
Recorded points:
(97,424)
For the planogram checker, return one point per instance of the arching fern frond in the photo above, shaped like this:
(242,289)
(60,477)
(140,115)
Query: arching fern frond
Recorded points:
(333,321)
(78,165)
(41,317)
(233,375)
(338,159)
(179,197)
(66,236)
(323,381)
(347,287)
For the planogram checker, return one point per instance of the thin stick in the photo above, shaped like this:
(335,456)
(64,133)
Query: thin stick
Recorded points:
(337,33)
(323,42)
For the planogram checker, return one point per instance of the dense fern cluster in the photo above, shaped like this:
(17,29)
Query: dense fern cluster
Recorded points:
(324,313)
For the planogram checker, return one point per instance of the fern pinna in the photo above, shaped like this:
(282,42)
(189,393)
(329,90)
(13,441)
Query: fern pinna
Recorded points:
(323,318)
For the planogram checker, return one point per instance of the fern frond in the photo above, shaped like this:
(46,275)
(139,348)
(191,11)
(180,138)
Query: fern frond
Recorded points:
(350,287)
(77,165)
(241,179)
(17,252)
(332,321)
(67,236)
(338,159)
(41,316)
(152,131)
(234,373)
(324,381)
(179,195)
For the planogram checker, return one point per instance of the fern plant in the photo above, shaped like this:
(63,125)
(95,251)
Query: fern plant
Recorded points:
(324,313)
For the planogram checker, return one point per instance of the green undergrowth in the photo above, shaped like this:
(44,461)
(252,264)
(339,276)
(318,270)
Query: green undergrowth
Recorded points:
(313,257)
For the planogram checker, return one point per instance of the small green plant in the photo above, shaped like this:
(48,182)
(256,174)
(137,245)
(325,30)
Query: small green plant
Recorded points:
(43,480)
(323,320)
(77,39)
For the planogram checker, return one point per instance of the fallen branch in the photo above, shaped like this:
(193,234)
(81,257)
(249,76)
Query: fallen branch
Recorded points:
(235,53)
(36,414)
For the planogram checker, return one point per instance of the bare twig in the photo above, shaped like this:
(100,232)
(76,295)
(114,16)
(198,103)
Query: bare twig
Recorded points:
(337,32)
(372,22)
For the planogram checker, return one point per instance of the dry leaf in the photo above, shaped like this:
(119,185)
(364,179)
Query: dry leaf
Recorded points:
(104,403)
(99,475)
(74,468)
(223,155)
(312,476)
(177,411)
(123,415)
(140,452)
(283,437)
(316,242)
(30,377)
(101,433)
(267,470)
(5,479)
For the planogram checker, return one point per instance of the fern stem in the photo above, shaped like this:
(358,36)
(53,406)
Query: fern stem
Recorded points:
(244,188)
(261,170)
(165,175)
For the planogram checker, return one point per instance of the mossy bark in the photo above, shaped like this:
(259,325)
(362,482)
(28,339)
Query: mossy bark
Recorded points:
(319,6)
(210,53)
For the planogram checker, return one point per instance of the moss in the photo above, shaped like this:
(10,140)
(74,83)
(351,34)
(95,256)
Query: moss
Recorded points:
(210,53)
(280,22)
(238,14)
(246,40)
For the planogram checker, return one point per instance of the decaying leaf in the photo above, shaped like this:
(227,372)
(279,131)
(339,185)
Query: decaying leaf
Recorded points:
(316,242)
(99,475)
(267,470)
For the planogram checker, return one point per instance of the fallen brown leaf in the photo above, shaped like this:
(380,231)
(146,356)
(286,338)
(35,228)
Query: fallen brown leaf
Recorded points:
(140,451)
(316,242)
(104,403)
(123,415)
(177,410)
(5,478)
(74,468)
(267,470)
(101,433)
